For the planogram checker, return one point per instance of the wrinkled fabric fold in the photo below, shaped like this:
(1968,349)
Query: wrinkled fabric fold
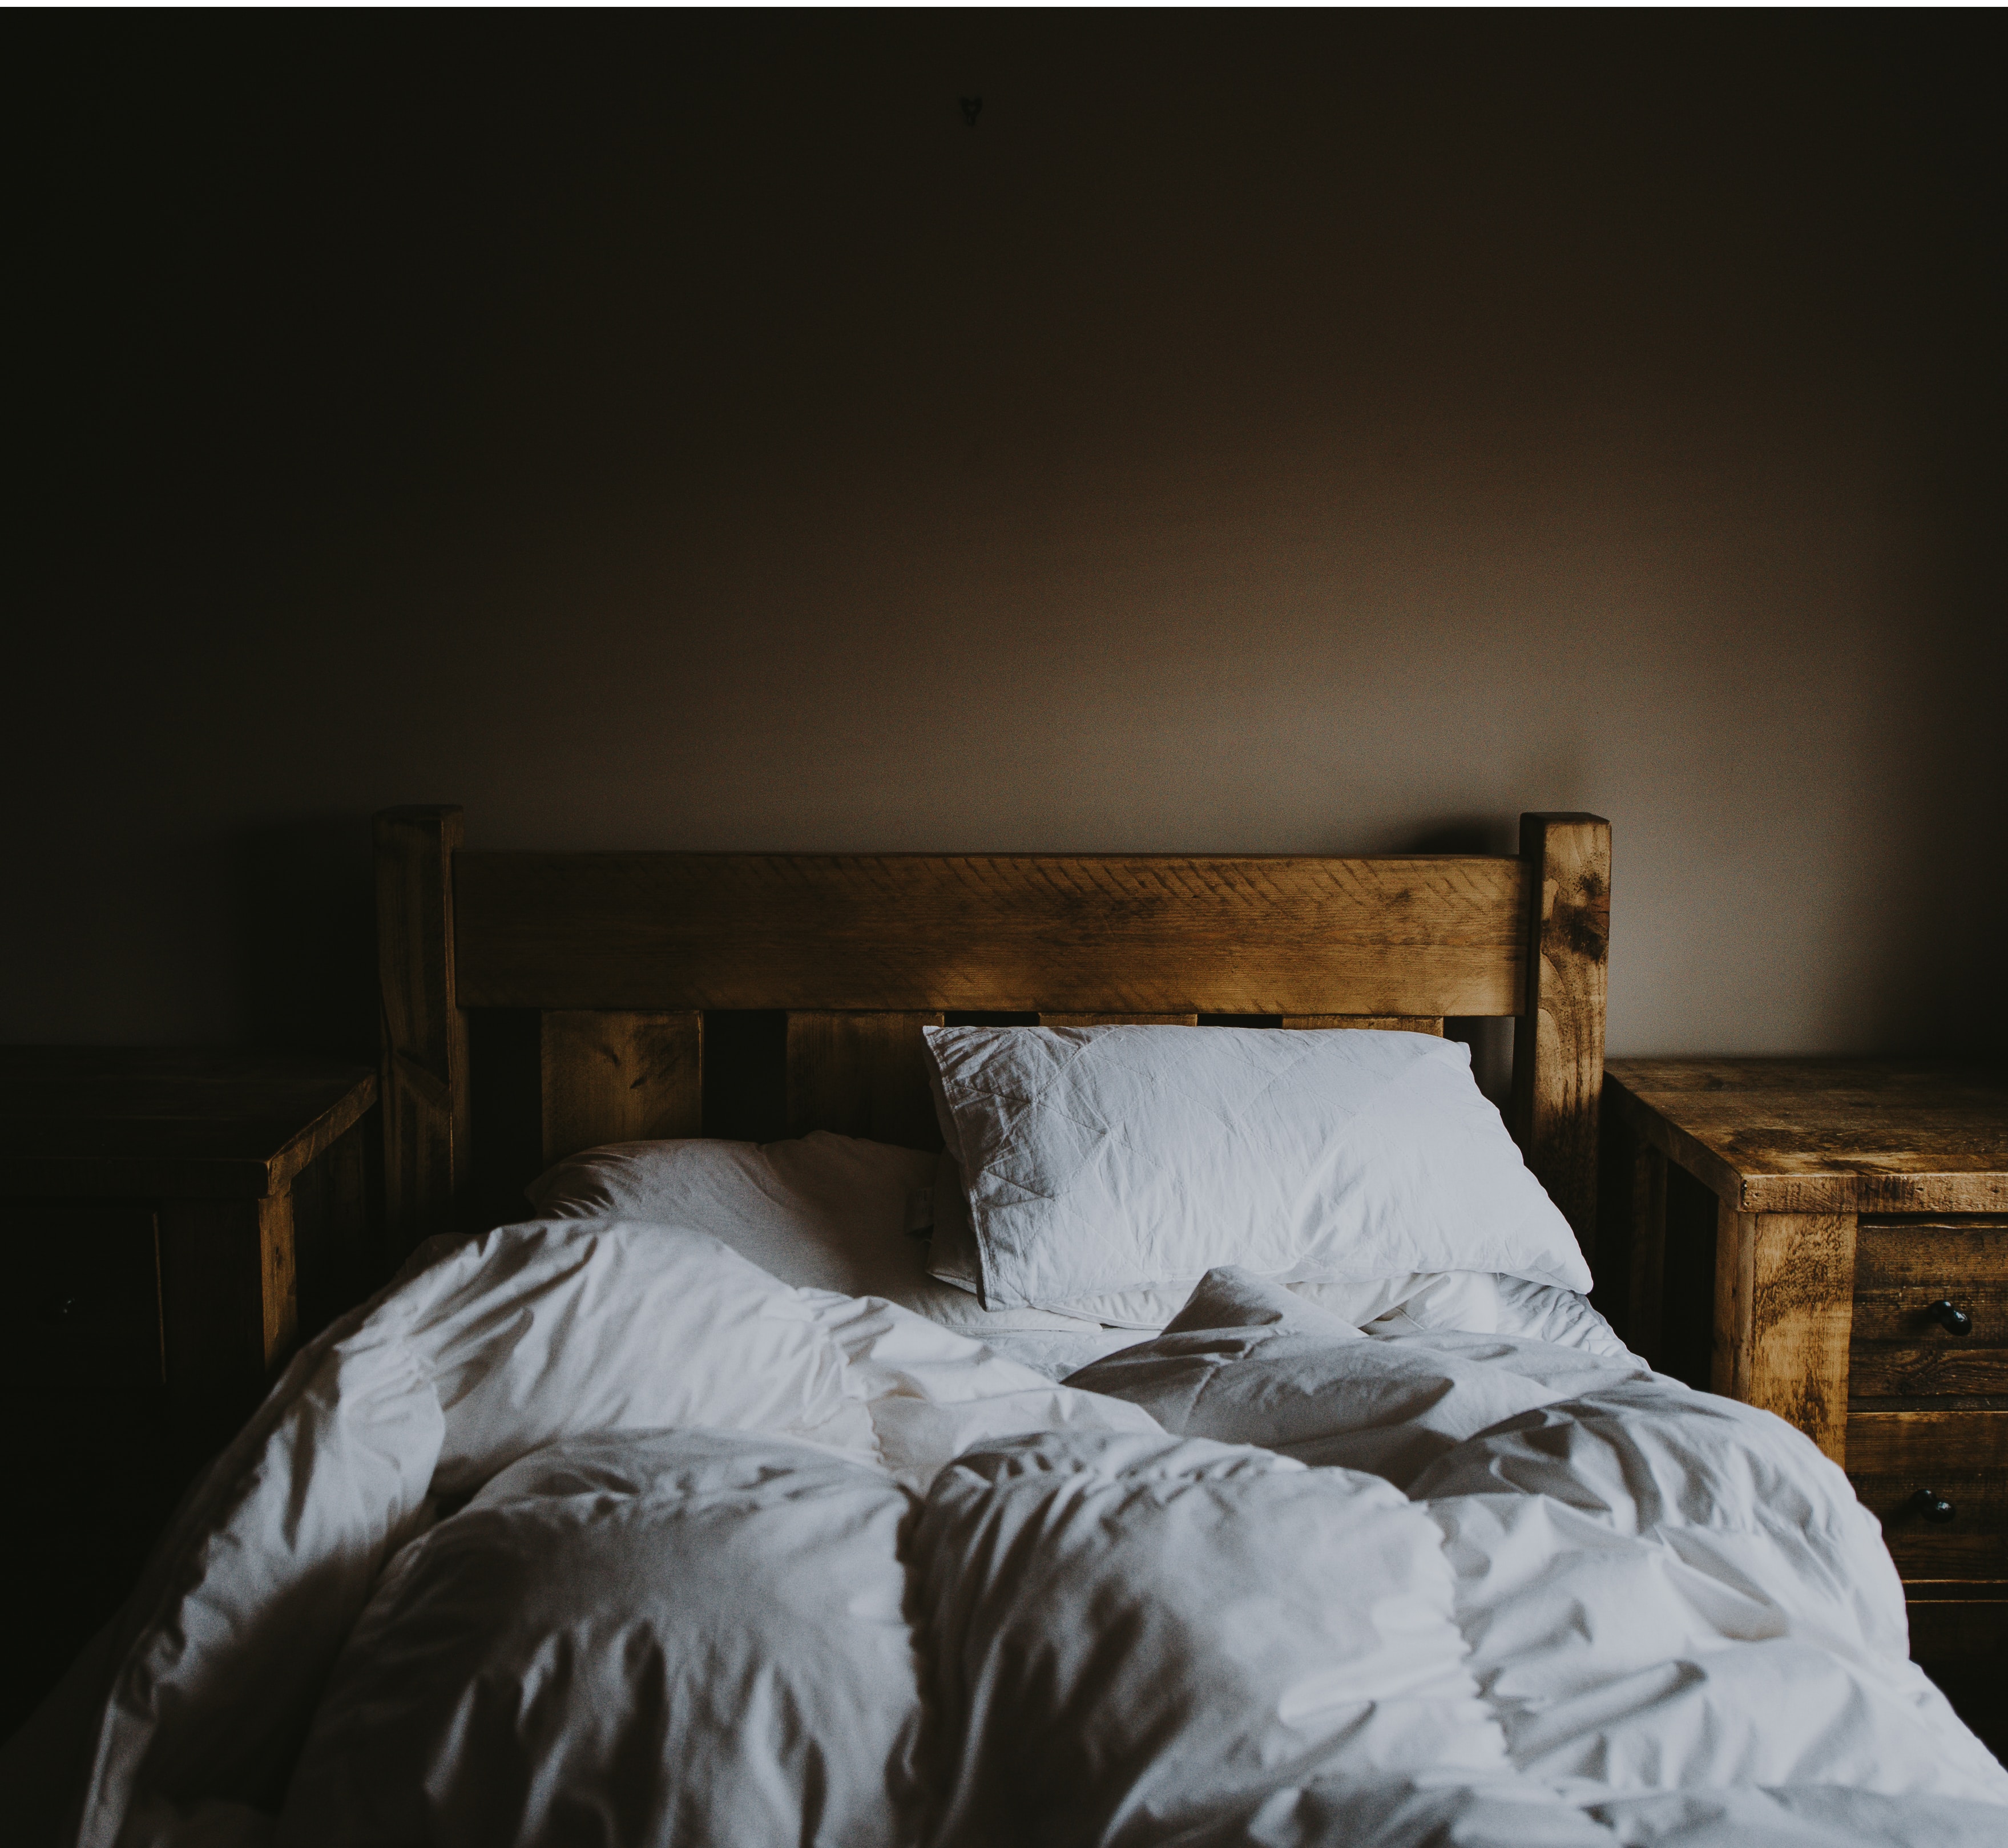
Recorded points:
(593,1530)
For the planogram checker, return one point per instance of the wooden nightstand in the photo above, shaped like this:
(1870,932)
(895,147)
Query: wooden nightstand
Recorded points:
(1829,1239)
(174,1221)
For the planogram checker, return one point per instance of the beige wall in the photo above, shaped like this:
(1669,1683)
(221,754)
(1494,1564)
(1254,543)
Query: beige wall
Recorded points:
(1295,436)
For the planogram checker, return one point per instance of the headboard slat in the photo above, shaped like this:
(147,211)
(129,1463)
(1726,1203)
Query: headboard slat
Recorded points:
(614,1076)
(861,1075)
(1128,934)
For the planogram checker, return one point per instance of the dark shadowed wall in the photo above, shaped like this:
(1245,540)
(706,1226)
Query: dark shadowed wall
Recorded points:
(1278,433)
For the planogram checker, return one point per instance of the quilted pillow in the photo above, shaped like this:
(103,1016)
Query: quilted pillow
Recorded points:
(1105,1159)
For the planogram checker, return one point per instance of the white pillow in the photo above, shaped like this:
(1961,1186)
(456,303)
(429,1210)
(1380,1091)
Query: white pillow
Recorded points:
(1476,1300)
(825,1213)
(1109,1159)
(951,1257)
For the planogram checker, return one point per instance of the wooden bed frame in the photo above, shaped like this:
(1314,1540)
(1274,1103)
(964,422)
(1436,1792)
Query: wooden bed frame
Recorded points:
(621,956)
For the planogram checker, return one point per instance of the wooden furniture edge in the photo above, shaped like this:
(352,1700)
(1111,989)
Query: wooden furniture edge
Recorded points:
(1645,1123)
(1983,1190)
(193,1177)
(1785,1301)
(316,1138)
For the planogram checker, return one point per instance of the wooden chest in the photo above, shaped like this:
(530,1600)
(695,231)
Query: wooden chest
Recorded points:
(174,1220)
(1829,1239)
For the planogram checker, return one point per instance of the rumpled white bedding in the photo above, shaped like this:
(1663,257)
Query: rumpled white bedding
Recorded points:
(592,1532)
(1658,1588)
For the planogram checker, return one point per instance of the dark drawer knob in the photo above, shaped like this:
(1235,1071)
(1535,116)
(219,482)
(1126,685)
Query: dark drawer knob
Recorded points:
(1933,1506)
(1949,1317)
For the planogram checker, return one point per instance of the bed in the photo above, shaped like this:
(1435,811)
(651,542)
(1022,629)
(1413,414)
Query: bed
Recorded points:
(595,1528)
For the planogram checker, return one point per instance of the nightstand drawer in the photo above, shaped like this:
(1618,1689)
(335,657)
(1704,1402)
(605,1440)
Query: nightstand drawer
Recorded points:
(1908,1467)
(1902,1267)
(83,1298)
(1971,1543)
(1907,1271)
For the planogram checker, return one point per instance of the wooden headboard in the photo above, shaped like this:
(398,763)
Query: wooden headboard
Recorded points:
(621,957)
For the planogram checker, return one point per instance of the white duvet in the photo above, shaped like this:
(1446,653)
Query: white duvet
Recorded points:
(592,1532)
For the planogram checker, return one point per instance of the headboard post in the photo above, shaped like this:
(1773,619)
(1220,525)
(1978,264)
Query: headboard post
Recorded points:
(424,1089)
(1558,1040)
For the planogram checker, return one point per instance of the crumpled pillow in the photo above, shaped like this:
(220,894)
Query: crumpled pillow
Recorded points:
(821,1211)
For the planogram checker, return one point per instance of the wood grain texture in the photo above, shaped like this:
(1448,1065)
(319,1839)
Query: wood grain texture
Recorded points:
(90,1121)
(1802,1295)
(1735,1270)
(608,1076)
(425,1092)
(1937,1256)
(1118,1020)
(1889,1079)
(1558,1047)
(1135,934)
(862,1074)
(1927,1444)
(1951,1369)
(1902,1268)
(278,1282)
(1826,1135)
(1903,1315)
(1922,1551)
(1428,1024)
(1785,1290)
